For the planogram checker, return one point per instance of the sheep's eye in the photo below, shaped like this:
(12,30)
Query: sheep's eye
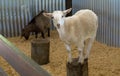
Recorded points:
(52,17)
(62,16)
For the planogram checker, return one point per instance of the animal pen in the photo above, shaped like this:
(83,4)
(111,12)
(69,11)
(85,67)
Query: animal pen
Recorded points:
(15,14)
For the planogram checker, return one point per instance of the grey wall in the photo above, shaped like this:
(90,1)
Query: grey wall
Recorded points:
(108,12)
(15,14)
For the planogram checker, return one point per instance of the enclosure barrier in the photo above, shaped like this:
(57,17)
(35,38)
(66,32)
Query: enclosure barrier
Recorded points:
(21,63)
(15,14)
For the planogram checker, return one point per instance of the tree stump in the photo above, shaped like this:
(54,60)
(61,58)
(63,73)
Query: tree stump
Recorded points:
(40,51)
(77,69)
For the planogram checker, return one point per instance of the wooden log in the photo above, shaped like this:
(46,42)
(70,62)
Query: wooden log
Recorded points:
(40,51)
(77,69)
(68,4)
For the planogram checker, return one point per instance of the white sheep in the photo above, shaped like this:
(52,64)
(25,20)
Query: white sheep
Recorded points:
(76,30)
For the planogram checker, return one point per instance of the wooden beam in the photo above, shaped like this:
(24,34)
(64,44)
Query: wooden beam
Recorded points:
(69,5)
(21,63)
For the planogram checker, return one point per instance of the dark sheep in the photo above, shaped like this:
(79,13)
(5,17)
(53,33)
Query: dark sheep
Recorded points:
(39,23)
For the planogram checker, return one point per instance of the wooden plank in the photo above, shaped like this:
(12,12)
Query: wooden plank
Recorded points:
(69,5)
(21,63)
(2,72)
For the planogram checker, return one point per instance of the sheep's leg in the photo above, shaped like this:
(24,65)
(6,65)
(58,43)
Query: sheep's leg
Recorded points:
(69,53)
(36,33)
(90,42)
(80,50)
(42,34)
(48,32)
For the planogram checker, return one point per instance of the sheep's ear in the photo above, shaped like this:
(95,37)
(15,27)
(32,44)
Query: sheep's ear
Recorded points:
(67,11)
(49,15)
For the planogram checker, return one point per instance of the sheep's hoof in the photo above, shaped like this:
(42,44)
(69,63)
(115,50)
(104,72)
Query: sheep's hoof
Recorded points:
(81,61)
(70,61)
(86,57)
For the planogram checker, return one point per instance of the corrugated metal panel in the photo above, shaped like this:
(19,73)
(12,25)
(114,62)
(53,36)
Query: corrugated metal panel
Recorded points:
(108,12)
(15,14)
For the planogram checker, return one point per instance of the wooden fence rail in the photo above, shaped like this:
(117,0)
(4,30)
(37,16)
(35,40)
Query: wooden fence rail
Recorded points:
(21,63)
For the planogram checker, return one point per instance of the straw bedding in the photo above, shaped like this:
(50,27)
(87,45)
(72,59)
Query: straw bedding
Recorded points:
(103,61)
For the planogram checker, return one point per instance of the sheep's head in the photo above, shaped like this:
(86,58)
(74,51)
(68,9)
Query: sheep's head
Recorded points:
(58,17)
(25,34)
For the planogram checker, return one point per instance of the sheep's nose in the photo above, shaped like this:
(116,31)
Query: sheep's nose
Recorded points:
(58,26)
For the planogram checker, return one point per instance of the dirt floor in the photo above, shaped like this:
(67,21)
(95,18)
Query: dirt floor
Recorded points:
(103,61)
